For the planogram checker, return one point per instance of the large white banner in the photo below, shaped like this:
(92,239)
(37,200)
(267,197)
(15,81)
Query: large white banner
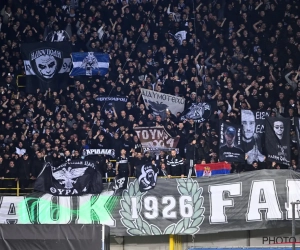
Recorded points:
(160,102)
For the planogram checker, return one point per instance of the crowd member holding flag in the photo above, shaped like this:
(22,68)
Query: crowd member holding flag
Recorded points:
(216,80)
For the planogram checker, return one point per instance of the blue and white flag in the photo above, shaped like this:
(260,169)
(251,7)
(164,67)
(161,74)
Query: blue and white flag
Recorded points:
(89,64)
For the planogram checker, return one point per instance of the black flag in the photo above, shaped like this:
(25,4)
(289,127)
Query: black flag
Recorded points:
(199,112)
(147,176)
(47,65)
(70,179)
(278,140)
(230,147)
(111,103)
(120,183)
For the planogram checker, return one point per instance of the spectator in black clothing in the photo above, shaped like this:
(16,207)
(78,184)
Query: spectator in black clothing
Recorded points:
(162,170)
(175,165)
(190,155)
(2,172)
(37,165)
(122,165)
(24,171)
(232,54)
(110,171)
(11,172)
(138,161)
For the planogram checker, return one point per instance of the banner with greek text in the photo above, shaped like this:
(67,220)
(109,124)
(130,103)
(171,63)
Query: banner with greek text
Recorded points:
(159,102)
(249,201)
(156,138)
(111,104)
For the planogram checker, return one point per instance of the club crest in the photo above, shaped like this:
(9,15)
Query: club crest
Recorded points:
(90,63)
(199,111)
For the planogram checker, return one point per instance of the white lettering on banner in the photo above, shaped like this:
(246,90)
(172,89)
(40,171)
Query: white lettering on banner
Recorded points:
(145,134)
(10,210)
(263,197)
(152,211)
(162,96)
(45,52)
(151,205)
(292,187)
(261,115)
(116,99)
(259,129)
(110,152)
(45,205)
(167,211)
(218,203)
(155,138)
(186,209)
(95,205)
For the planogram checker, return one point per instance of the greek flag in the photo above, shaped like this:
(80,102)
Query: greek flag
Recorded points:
(89,64)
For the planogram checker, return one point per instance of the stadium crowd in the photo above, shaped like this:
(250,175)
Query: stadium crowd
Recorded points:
(243,53)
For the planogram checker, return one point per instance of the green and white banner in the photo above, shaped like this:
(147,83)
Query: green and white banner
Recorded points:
(249,201)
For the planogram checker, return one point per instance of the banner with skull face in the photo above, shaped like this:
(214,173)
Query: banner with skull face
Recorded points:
(47,64)
(199,112)
(278,140)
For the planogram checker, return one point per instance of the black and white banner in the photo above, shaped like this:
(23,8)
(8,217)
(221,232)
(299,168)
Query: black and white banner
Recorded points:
(87,152)
(69,179)
(278,140)
(47,65)
(199,112)
(121,183)
(253,122)
(160,102)
(157,150)
(226,203)
(146,176)
(155,137)
(230,147)
(179,36)
(111,103)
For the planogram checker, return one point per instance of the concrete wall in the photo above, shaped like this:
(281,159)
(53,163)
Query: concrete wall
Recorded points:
(257,238)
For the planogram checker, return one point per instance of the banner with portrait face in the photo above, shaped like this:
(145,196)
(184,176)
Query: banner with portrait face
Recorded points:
(278,140)
(253,122)
(297,126)
(230,146)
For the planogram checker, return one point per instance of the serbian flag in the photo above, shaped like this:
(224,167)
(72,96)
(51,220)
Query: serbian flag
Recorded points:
(212,169)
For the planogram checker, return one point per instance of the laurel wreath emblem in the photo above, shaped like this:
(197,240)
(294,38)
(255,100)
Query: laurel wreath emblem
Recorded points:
(139,226)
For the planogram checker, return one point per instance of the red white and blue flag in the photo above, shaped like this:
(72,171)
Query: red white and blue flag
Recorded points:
(212,169)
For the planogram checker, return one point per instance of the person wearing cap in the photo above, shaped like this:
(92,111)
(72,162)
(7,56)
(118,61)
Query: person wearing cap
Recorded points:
(229,148)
